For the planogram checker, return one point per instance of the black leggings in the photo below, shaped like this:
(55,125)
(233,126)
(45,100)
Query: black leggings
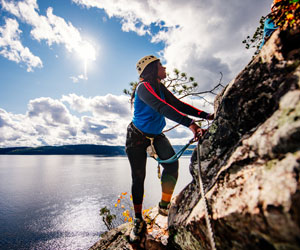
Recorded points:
(136,145)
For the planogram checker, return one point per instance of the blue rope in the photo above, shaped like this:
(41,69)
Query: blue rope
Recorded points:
(177,155)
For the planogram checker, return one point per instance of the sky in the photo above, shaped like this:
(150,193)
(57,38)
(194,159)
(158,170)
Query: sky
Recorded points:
(65,63)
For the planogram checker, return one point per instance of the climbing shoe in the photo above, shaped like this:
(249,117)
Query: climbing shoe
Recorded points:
(137,230)
(163,210)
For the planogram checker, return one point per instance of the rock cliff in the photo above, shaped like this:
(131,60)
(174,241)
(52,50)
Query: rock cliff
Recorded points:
(250,164)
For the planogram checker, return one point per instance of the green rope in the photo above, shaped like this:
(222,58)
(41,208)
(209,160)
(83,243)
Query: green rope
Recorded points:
(176,156)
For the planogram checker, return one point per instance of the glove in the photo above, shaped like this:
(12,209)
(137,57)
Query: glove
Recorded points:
(210,116)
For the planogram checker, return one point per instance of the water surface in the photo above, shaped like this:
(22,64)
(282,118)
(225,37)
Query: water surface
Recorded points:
(52,202)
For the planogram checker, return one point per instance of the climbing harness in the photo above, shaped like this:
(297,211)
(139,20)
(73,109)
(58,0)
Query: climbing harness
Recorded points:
(152,153)
(210,231)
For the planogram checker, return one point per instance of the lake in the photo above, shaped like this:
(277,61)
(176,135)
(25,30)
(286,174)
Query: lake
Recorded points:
(52,202)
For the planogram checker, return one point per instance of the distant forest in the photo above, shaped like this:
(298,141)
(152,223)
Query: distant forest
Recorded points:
(83,149)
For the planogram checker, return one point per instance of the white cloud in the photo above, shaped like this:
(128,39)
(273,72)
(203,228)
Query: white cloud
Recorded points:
(201,37)
(51,28)
(76,79)
(110,106)
(4,118)
(50,122)
(12,48)
(15,130)
(77,103)
(51,111)
(95,127)
(98,120)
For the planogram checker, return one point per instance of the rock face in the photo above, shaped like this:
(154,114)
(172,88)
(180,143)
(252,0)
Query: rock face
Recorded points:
(250,163)
(250,160)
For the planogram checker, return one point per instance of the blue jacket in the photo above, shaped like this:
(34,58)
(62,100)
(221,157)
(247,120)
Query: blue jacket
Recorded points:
(269,28)
(150,109)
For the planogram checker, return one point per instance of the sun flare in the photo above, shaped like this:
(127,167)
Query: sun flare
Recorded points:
(86,53)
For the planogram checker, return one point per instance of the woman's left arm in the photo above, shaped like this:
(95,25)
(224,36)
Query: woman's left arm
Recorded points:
(184,107)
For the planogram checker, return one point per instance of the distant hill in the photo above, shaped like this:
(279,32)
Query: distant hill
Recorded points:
(85,149)
(82,149)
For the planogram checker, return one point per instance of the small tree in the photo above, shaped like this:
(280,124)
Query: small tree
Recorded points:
(182,86)
(256,39)
(108,218)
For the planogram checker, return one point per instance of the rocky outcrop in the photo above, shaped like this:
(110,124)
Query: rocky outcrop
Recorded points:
(155,236)
(250,164)
(250,160)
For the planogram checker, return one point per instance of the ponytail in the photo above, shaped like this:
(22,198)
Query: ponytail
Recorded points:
(149,74)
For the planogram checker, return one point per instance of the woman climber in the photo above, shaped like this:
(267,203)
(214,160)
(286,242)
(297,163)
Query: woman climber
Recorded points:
(152,102)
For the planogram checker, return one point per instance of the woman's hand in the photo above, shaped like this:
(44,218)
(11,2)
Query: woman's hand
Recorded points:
(210,116)
(197,131)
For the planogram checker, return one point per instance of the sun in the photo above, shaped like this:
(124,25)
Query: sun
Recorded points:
(86,53)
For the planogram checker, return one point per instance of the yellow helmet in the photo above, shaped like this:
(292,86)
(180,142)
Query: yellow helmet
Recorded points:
(143,62)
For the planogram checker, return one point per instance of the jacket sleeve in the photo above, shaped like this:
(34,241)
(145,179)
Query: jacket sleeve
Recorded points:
(147,94)
(182,106)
